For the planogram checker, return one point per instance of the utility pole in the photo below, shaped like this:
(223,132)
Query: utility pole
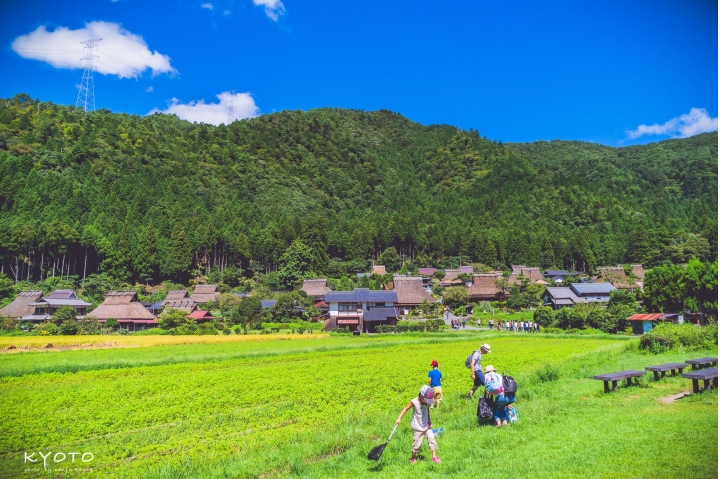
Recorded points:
(86,95)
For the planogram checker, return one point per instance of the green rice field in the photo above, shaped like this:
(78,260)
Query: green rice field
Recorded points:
(314,407)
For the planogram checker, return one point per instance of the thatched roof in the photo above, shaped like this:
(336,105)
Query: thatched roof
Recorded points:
(177,295)
(21,305)
(183,305)
(533,274)
(410,291)
(205,293)
(315,287)
(484,287)
(617,276)
(380,269)
(121,305)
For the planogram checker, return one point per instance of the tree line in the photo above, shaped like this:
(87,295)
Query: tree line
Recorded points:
(327,191)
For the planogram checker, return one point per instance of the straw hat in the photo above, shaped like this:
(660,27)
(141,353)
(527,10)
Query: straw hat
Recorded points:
(490,368)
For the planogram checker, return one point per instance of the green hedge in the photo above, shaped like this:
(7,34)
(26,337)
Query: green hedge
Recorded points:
(667,337)
(432,325)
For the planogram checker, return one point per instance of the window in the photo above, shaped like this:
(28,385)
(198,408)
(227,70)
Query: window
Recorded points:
(349,306)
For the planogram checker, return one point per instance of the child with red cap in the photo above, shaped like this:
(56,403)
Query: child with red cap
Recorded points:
(434,377)
(420,423)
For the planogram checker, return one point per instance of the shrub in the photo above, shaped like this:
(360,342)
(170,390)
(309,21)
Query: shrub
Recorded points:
(548,373)
(553,331)
(300,330)
(544,316)
(265,331)
(666,337)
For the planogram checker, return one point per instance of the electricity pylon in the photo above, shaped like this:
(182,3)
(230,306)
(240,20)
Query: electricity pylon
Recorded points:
(86,95)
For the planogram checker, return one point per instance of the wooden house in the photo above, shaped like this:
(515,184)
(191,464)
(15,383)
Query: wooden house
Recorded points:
(315,288)
(410,293)
(361,309)
(48,305)
(22,305)
(204,293)
(126,309)
(484,287)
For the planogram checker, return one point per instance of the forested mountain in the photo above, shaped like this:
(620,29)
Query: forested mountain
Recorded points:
(154,197)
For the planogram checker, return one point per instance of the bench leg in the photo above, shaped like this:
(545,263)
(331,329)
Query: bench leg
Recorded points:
(673,371)
(607,387)
(629,381)
(706,384)
(614,385)
(715,382)
(696,388)
(663,374)
(657,376)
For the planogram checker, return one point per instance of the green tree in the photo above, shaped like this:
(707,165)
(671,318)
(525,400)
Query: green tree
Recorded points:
(65,313)
(295,264)
(173,318)
(249,313)
(390,259)
(544,316)
(179,255)
(455,296)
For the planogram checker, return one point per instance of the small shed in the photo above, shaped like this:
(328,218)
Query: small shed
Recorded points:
(642,323)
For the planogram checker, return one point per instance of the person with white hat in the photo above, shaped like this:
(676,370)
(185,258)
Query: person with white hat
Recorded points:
(476,367)
(421,423)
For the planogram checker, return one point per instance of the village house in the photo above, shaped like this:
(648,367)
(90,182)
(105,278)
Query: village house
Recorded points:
(410,293)
(180,299)
(556,275)
(204,293)
(532,274)
(484,287)
(451,277)
(201,316)
(315,288)
(126,309)
(361,309)
(48,305)
(562,297)
(22,305)
(619,277)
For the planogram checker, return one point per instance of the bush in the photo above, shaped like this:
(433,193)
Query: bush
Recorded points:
(300,330)
(548,373)
(666,337)
(544,316)
(553,331)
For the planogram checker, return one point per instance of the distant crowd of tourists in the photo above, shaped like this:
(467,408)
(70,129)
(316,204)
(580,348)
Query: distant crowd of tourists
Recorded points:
(514,326)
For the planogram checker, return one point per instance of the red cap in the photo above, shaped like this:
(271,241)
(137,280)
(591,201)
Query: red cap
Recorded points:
(434,364)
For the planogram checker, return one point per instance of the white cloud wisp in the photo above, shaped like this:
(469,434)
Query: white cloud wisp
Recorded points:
(693,123)
(120,52)
(273,8)
(214,113)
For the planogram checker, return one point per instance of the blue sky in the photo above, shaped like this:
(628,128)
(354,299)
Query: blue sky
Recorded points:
(617,73)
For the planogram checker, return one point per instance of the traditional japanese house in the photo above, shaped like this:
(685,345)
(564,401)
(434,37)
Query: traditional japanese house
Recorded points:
(360,310)
(410,293)
(205,293)
(48,305)
(315,288)
(21,305)
(485,287)
(126,309)
(201,316)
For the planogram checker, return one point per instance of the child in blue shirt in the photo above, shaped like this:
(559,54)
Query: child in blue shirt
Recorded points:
(434,377)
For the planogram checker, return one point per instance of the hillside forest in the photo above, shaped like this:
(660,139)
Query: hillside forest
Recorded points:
(326,192)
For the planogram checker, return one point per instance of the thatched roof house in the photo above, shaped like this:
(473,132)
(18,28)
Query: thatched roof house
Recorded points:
(533,274)
(21,305)
(410,291)
(617,276)
(379,270)
(205,293)
(484,288)
(183,305)
(121,305)
(177,295)
(317,288)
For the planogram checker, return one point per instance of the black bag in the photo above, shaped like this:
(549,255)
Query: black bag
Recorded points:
(509,385)
(485,407)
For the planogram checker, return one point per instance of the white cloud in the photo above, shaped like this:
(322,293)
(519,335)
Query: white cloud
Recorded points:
(693,123)
(208,6)
(120,52)
(273,8)
(213,113)
(227,13)
(149,89)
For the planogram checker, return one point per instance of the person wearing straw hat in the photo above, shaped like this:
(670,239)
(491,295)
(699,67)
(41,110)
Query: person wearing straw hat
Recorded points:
(494,386)
(476,367)
(421,423)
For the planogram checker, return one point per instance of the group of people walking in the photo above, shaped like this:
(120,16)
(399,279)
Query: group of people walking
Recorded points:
(431,395)
(515,326)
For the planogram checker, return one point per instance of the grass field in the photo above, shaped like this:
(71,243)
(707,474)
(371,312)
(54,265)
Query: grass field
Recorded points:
(313,407)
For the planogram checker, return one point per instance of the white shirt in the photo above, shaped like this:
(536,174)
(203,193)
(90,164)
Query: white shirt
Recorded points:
(421,415)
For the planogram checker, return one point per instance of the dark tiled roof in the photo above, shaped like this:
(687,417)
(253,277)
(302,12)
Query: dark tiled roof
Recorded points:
(361,295)
(379,314)
(592,288)
(267,303)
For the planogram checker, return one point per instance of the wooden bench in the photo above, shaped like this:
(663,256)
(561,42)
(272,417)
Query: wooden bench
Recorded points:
(706,375)
(699,363)
(615,377)
(661,369)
